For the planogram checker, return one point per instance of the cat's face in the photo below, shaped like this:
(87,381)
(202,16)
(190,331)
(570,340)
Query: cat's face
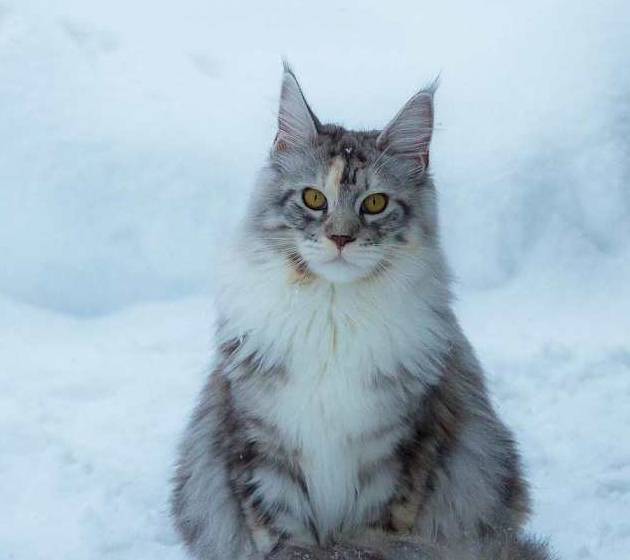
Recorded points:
(346,205)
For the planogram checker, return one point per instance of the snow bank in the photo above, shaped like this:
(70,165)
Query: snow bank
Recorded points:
(133,130)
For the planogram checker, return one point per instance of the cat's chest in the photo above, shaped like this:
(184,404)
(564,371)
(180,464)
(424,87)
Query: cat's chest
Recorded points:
(335,393)
(329,403)
(338,424)
(331,390)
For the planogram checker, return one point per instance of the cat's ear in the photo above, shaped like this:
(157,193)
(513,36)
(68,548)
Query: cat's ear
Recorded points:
(408,134)
(297,125)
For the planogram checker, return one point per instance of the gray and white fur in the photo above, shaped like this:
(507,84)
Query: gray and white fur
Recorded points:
(346,414)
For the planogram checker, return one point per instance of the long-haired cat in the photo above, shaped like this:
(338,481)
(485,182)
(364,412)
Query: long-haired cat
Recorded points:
(346,415)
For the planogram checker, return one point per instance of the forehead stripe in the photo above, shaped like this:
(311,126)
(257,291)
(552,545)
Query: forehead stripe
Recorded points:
(335,174)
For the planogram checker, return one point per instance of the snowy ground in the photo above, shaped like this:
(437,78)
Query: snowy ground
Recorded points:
(91,409)
(130,133)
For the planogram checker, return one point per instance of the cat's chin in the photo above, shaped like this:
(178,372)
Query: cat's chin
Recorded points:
(339,271)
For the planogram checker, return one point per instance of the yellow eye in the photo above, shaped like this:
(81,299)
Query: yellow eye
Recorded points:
(314,199)
(374,204)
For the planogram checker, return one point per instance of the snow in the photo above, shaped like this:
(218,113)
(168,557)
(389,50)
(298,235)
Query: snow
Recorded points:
(90,415)
(91,410)
(131,134)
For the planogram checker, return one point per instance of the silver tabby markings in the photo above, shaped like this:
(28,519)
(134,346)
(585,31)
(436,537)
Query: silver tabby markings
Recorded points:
(346,415)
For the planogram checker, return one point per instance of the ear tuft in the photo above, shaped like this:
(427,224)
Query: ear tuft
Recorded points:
(297,125)
(408,134)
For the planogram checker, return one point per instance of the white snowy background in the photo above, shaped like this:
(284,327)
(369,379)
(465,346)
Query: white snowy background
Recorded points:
(130,133)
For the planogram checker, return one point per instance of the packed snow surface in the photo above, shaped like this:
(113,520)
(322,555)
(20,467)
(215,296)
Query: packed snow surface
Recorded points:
(130,133)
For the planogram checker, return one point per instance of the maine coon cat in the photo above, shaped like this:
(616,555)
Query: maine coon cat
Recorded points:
(346,415)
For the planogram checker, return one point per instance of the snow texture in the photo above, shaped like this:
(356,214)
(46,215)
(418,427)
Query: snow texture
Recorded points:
(130,135)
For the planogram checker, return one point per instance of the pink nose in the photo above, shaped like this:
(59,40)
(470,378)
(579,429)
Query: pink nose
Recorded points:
(341,240)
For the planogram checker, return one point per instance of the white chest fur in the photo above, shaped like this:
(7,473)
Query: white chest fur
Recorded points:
(332,342)
(325,410)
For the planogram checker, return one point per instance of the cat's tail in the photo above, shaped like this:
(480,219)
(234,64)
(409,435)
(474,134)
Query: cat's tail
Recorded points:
(505,547)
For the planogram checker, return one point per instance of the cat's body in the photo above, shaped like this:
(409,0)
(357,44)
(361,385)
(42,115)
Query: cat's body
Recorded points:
(345,403)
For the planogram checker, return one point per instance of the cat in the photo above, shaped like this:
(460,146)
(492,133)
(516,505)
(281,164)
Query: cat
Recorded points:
(346,414)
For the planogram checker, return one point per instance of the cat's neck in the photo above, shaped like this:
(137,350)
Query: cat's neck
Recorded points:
(398,319)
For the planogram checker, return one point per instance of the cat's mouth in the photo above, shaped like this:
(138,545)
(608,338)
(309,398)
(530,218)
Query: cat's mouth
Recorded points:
(338,269)
(338,266)
(338,258)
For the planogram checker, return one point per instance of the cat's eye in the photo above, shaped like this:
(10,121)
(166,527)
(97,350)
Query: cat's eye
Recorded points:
(374,203)
(314,199)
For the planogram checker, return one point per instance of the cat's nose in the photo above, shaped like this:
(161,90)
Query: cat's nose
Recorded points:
(341,240)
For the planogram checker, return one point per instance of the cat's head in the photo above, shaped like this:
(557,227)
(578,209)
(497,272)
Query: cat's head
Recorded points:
(346,205)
